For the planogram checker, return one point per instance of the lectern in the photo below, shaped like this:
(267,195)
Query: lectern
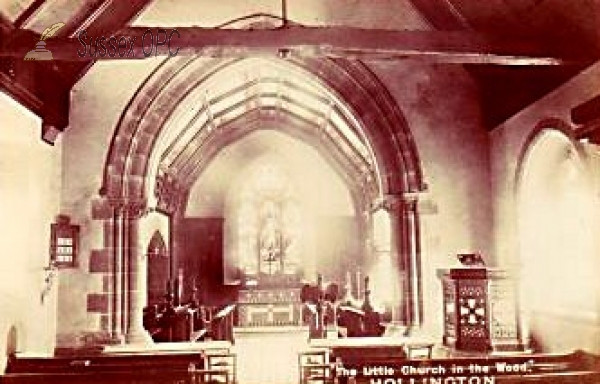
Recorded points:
(480,310)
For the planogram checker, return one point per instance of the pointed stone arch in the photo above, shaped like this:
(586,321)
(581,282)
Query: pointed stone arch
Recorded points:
(380,119)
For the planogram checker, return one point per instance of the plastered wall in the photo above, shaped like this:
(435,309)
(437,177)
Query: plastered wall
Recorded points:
(29,201)
(97,103)
(509,143)
(440,104)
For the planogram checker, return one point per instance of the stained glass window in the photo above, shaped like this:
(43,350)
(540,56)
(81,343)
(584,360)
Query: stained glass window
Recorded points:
(268,220)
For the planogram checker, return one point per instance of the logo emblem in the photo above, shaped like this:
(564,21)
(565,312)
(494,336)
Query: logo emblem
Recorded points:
(40,52)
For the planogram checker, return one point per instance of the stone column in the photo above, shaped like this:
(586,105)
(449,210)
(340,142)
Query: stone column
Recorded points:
(386,253)
(116,272)
(136,290)
(411,255)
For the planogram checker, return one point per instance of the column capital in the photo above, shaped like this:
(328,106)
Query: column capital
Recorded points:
(387,202)
(135,209)
(169,191)
(115,203)
(410,202)
(411,197)
(393,202)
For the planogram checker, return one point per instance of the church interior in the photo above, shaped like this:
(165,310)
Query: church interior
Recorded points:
(299,174)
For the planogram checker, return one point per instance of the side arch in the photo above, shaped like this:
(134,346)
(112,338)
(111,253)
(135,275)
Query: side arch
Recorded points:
(555,216)
(548,124)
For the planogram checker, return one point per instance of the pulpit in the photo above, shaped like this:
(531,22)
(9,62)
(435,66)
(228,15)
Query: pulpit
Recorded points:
(480,310)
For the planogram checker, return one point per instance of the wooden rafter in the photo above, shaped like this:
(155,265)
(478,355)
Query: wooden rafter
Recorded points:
(26,82)
(101,18)
(85,17)
(44,86)
(28,13)
(442,15)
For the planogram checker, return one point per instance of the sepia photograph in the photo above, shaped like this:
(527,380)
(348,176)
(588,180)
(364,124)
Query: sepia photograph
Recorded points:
(300,191)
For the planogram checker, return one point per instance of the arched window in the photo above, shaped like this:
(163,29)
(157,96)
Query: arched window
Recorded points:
(556,215)
(268,219)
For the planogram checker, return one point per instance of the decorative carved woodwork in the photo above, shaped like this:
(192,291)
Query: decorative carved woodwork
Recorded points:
(480,310)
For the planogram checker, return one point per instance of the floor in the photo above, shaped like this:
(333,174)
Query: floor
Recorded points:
(269,356)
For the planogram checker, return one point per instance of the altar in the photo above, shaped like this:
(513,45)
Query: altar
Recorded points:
(270,276)
(269,307)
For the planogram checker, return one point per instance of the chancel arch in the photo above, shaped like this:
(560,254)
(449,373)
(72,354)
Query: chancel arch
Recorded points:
(189,109)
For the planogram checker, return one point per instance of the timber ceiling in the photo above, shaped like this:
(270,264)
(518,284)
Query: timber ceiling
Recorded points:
(568,26)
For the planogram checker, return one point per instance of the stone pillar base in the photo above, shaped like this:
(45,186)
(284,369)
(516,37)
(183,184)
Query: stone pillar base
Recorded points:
(117,339)
(138,336)
(396,329)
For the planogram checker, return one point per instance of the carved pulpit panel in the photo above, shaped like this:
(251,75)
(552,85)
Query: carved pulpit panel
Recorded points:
(480,310)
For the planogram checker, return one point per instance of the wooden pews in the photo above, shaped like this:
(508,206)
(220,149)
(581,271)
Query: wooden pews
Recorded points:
(577,367)
(388,361)
(161,364)
(102,369)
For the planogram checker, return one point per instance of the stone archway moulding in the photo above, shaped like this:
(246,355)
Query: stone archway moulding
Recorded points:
(370,102)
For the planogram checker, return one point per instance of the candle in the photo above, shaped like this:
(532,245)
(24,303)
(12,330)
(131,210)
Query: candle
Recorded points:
(358,288)
(348,284)
(180,285)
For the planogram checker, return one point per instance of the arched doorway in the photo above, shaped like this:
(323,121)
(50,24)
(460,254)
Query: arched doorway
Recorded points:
(158,274)
(556,212)
(190,109)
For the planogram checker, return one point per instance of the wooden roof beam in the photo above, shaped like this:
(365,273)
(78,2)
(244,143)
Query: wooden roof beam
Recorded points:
(589,131)
(430,46)
(37,85)
(99,18)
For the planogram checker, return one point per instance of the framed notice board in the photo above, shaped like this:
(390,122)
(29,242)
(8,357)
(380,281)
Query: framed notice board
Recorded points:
(64,242)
